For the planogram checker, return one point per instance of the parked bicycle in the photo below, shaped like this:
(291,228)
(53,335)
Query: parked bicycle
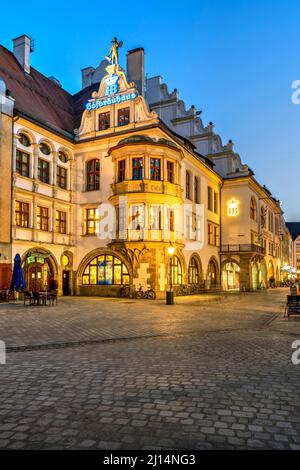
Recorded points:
(147,294)
(182,290)
(125,291)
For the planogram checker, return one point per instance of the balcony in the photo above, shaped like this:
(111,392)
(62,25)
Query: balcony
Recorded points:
(244,248)
(146,186)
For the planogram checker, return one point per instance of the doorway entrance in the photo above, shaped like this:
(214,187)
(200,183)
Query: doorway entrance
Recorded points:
(66,282)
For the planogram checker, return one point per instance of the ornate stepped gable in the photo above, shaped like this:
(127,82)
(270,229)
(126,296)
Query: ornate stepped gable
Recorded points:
(114,90)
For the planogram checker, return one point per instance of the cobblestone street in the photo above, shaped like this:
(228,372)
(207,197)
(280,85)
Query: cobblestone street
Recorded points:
(208,372)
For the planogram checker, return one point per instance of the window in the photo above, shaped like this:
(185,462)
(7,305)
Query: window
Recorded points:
(22,214)
(137,168)
(253,209)
(188,185)
(61,177)
(42,218)
(123,116)
(105,270)
(63,157)
(213,234)
(43,170)
(271,221)
(171,220)
(155,169)
(45,149)
(170,172)
(121,170)
(22,163)
(216,202)
(155,217)
(194,271)
(197,190)
(175,270)
(61,222)
(121,218)
(24,140)
(263,214)
(93,175)
(104,121)
(91,221)
(210,198)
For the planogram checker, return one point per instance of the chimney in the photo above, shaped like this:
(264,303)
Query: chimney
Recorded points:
(136,68)
(87,76)
(22,49)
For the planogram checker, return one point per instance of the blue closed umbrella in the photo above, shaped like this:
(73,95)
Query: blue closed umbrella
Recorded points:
(18,280)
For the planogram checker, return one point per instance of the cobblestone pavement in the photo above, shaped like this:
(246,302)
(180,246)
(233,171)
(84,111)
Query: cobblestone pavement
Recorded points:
(197,375)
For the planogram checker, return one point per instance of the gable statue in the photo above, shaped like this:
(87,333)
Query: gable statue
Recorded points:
(113,56)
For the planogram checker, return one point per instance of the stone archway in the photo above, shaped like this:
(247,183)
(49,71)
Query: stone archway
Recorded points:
(212,276)
(271,273)
(195,272)
(254,276)
(231,275)
(40,269)
(263,274)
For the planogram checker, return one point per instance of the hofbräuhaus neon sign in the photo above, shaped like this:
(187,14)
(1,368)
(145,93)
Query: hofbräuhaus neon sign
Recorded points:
(106,102)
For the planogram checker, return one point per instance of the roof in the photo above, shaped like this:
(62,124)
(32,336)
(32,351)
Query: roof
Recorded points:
(36,96)
(294,228)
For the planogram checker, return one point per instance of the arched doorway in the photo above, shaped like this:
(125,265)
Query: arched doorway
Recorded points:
(263,274)
(255,276)
(40,270)
(271,274)
(231,275)
(212,273)
(194,270)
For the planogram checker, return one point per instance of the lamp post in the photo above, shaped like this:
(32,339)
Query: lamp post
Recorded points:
(170,293)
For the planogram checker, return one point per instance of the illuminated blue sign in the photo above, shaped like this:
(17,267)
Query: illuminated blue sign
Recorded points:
(108,101)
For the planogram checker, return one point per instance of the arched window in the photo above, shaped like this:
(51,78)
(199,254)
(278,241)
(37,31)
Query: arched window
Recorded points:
(253,209)
(63,157)
(24,139)
(45,149)
(194,271)
(105,270)
(176,271)
(93,175)
(212,273)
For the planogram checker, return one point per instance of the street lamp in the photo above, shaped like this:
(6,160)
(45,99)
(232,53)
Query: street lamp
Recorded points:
(170,293)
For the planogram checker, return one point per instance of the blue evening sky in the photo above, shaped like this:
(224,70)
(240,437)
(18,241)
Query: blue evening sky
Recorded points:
(233,59)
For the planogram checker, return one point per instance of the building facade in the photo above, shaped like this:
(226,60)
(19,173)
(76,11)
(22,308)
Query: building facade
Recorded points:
(96,186)
(292,269)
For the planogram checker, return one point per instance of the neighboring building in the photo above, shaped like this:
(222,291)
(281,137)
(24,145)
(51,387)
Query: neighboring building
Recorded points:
(67,161)
(294,229)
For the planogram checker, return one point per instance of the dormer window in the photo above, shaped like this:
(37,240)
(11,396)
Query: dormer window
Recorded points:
(123,116)
(45,149)
(24,140)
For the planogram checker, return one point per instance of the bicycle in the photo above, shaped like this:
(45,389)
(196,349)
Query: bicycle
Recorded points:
(182,290)
(147,294)
(124,291)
